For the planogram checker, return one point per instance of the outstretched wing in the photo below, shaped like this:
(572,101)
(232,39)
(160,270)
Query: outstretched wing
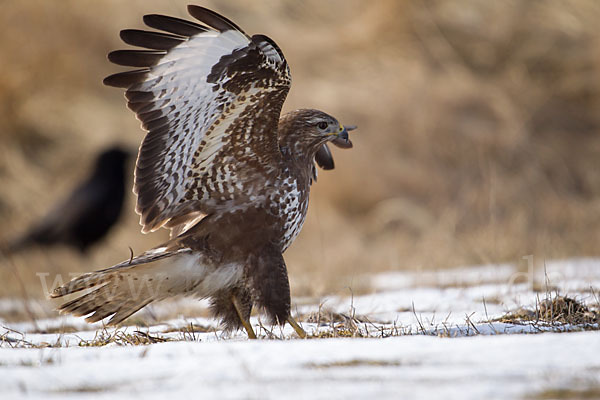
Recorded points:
(210,98)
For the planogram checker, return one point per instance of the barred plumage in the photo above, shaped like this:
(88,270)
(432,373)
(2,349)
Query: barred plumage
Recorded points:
(218,166)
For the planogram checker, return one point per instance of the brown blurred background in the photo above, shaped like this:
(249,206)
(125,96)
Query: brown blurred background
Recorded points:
(478,135)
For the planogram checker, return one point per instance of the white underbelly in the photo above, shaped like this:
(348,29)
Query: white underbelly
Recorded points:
(193,275)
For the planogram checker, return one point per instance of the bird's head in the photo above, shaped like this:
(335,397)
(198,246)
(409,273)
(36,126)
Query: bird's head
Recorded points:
(304,132)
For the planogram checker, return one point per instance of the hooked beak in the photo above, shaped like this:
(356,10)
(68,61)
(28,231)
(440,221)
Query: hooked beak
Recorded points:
(341,137)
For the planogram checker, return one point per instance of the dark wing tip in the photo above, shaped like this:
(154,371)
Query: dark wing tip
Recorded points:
(136,58)
(135,96)
(126,79)
(324,158)
(269,48)
(174,25)
(150,40)
(213,19)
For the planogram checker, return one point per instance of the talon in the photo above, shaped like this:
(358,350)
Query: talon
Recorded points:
(245,323)
(297,327)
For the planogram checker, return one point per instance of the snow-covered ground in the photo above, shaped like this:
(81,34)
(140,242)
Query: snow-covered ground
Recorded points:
(430,335)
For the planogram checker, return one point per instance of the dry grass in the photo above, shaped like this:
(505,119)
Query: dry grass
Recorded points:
(556,310)
(104,337)
(478,137)
(355,363)
(566,310)
(121,338)
(573,393)
(555,313)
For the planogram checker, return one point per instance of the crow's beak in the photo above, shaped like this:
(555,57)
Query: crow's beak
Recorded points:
(341,137)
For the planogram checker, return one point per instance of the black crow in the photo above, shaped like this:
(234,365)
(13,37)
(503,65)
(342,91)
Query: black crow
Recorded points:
(88,212)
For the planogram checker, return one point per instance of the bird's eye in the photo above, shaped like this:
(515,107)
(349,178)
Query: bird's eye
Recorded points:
(322,125)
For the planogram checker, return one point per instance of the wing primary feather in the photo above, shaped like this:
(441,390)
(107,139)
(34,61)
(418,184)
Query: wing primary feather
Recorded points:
(136,58)
(213,19)
(324,158)
(154,149)
(189,90)
(136,96)
(157,134)
(144,170)
(268,47)
(149,219)
(155,124)
(127,78)
(151,115)
(150,40)
(174,25)
(145,198)
(140,107)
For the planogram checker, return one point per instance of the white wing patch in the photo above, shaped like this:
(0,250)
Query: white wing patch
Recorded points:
(179,81)
(210,100)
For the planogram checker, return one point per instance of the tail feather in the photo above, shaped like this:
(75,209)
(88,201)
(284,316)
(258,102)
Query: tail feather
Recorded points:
(85,281)
(121,290)
(104,311)
(82,305)
(121,294)
(124,312)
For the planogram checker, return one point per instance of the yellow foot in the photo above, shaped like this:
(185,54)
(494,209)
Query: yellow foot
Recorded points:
(297,327)
(245,323)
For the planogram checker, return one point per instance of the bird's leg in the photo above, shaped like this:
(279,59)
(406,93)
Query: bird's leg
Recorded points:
(245,323)
(297,327)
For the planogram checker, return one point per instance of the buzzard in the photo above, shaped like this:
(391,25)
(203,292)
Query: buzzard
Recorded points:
(88,213)
(219,166)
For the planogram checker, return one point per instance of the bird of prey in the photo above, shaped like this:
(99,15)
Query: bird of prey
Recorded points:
(88,213)
(219,166)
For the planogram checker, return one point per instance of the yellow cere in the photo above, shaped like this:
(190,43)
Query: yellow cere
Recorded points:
(335,133)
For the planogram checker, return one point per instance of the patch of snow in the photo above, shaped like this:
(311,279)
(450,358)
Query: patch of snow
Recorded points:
(449,347)
(415,367)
